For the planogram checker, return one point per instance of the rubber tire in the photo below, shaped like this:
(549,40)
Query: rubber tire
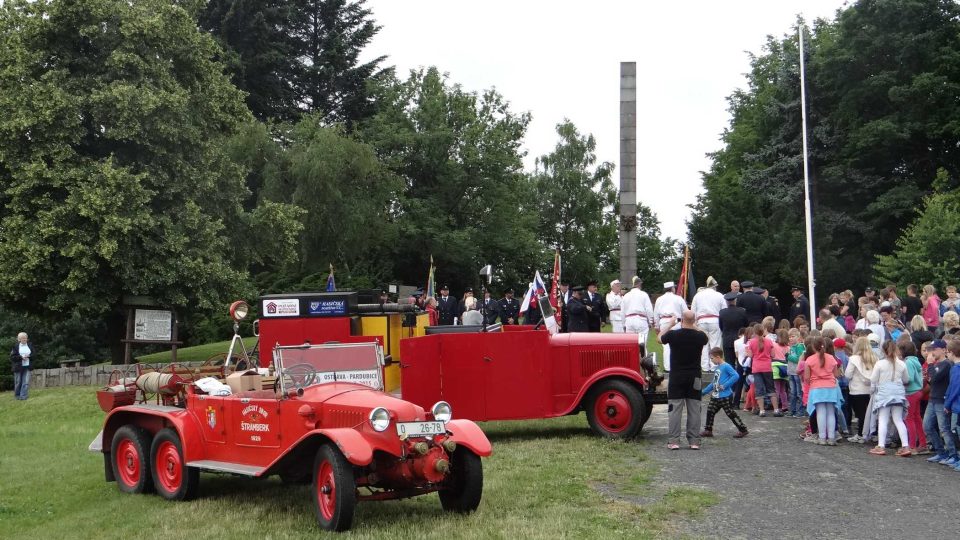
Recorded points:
(635,400)
(140,438)
(190,476)
(464,486)
(345,501)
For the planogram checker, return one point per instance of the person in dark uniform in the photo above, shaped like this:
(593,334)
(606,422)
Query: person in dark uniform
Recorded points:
(490,308)
(773,306)
(753,303)
(800,306)
(447,306)
(596,307)
(577,312)
(509,308)
(732,319)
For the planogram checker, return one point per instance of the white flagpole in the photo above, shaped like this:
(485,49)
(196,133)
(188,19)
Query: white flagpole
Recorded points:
(811,282)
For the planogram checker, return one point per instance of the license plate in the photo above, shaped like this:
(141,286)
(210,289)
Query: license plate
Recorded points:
(420,429)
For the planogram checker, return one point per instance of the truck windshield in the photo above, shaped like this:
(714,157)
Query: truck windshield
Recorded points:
(309,365)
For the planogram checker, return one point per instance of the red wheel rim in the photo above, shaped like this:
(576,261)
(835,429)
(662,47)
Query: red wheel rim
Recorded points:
(326,490)
(128,462)
(612,410)
(169,467)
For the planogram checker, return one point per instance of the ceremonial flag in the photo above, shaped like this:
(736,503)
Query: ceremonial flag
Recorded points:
(554,286)
(331,284)
(428,290)
(534,291)
(683,282)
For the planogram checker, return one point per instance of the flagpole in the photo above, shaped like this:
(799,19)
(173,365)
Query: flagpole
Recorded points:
(811,282)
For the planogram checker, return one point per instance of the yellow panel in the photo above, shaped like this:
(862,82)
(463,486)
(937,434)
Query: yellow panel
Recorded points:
(377,325)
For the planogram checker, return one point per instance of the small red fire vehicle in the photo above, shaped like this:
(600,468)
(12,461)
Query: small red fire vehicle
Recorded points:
(519,372)
(324,419)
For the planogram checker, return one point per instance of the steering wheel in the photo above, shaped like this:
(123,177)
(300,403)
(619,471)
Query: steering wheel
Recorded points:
(299,374)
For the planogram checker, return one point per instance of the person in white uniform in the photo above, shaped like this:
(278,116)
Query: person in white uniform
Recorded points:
(667,311)
(637,311)
(707,304)
(615,306)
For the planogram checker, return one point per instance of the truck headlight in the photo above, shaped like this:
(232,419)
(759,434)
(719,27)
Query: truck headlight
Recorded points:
(239,310)
(379,419)
(441,411)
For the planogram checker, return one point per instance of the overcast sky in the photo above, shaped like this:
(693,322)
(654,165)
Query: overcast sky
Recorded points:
(561,59)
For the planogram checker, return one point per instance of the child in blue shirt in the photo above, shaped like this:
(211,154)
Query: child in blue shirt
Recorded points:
(721,394)
(951,400)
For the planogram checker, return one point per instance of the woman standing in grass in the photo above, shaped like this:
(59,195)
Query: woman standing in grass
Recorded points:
(887,380)
(821,371)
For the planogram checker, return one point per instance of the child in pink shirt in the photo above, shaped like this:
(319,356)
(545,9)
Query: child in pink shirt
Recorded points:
(820,372)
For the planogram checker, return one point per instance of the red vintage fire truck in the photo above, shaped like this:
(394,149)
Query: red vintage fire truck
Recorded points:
(323,419)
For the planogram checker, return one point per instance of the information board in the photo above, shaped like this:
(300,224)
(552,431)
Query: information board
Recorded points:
(153,325)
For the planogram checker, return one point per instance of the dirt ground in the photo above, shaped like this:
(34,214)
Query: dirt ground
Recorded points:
(773,485)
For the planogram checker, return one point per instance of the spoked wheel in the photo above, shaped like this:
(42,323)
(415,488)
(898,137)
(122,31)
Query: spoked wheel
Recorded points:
(130,459)
(334,489)
(171,476)
(464,487)
(615,409)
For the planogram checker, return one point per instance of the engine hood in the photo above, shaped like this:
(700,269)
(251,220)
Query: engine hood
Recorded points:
(356,397)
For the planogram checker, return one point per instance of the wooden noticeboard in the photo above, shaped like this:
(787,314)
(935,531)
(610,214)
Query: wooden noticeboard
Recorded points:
(150,324)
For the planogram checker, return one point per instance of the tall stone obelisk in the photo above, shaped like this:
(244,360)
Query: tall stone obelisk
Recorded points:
(628,171)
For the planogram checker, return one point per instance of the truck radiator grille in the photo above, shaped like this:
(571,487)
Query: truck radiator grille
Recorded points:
(593,361)
(341,418)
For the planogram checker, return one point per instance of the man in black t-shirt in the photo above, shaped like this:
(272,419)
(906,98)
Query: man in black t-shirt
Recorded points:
(912,305)
(683,386)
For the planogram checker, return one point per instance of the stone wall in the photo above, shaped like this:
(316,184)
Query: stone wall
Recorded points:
(97,375)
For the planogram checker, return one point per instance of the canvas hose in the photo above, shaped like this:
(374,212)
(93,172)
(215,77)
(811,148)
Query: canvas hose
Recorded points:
(155,383)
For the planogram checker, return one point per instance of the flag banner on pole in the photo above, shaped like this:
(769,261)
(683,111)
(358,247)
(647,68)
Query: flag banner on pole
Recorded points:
(535,290)
(692,287)
(331,284)
(554,287)
(428,289)
(682,282)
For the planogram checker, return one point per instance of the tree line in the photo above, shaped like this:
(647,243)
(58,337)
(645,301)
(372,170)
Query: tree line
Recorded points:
(883,90)
(196,152)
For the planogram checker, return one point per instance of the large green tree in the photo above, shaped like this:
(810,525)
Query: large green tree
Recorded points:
(113,173)
(576,196)
(883,111)
(465,199)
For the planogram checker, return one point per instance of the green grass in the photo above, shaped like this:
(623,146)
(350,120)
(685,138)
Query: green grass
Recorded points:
(194,354)
(546,479)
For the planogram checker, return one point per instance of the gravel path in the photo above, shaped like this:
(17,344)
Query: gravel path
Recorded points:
(772,485)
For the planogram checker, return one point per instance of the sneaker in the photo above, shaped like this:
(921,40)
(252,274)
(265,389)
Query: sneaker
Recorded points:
(821,442)
(957,467)
(778,414)
(936,458)
(878,451)
(762,414)
(811,438)
(673,446)
(694,446)
(950,461)
(706,433)
(831,443)
(853,439)
(740,434)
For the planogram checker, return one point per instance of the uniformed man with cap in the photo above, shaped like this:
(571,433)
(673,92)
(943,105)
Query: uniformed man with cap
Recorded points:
(509,308)
(732,318)
(447,306)
(637,311)
(577,311)
(706,305)
(490,308)
(667,311)
(596,307)
(615,306)
(773,305)
(752,302)
(800,306)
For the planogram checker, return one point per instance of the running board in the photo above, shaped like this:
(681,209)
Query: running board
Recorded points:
(227,467)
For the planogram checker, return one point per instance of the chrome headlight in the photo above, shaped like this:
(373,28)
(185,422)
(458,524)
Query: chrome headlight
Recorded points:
(379,419)
(441,411)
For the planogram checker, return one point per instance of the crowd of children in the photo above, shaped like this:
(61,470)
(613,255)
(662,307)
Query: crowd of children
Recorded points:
(901,386)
